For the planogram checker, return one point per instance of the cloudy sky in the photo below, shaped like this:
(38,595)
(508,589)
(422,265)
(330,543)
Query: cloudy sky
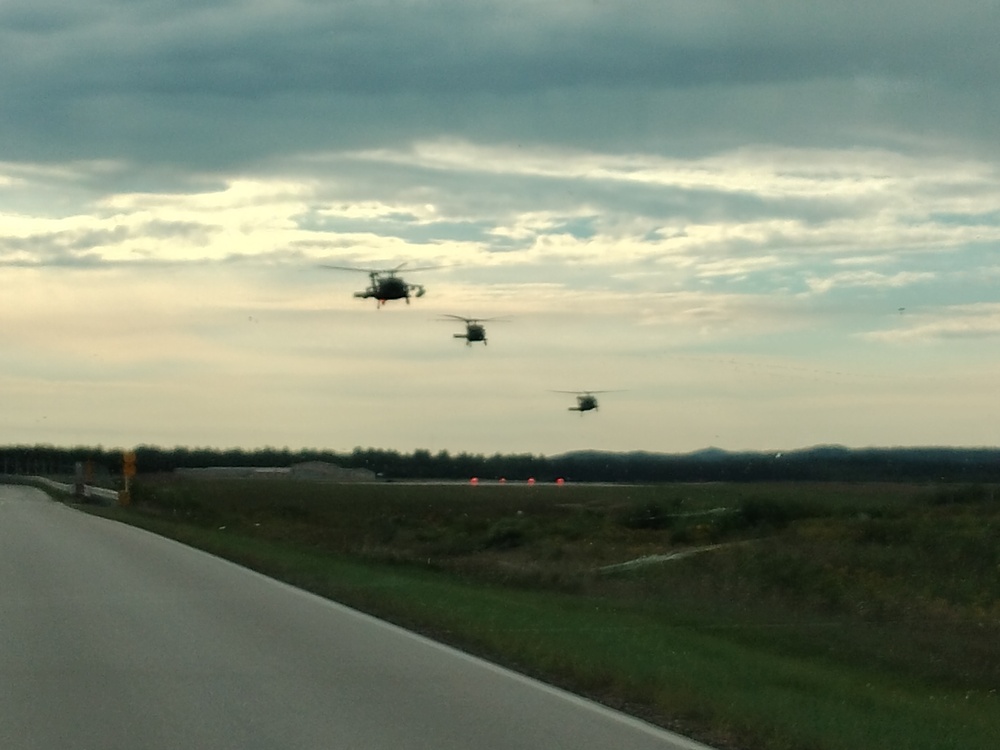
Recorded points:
(758,224)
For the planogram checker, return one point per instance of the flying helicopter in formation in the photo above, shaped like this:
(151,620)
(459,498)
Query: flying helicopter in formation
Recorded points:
(585,400)
(474,329)
(386,284)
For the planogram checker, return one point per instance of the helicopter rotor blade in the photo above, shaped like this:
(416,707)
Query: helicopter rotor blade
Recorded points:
(389,271)
(501,319)
(347,268)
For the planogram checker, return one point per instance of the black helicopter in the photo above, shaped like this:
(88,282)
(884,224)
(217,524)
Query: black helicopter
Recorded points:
(474,329)
(585,400)
(386,285)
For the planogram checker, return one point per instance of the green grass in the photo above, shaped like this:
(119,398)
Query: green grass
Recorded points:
(832,617)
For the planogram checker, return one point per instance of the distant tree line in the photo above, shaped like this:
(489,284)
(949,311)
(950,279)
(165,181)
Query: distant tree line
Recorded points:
(47,460)
(813,464)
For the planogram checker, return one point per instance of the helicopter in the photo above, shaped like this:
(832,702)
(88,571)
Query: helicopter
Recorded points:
(386,285)
(585,400)
(474,329)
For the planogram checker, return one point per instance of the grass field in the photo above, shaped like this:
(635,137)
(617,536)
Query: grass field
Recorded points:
(795,616)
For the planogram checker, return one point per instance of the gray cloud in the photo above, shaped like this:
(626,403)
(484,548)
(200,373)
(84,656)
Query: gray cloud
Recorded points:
(227,83)
(88,247)
(235,49)
(59,248)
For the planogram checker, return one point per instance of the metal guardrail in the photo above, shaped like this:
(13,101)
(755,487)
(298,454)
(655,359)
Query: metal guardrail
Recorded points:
(101,493)
(51,484)
(94,493)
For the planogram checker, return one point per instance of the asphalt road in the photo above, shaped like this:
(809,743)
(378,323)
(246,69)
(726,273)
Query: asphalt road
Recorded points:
(111,637)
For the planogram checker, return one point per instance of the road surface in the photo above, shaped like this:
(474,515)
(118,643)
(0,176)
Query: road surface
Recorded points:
(111,637)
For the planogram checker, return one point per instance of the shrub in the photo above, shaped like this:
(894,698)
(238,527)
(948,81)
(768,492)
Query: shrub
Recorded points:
(962,494)
(651,514)
(758,512)
(507,533)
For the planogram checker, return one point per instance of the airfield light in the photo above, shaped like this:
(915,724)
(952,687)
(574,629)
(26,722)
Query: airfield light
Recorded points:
(560,481)
(474,481)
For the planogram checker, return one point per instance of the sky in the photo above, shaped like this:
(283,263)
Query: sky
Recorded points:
(757,225)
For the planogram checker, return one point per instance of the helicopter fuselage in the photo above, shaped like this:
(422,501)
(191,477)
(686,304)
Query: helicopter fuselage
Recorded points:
(385,284)
(474,328)
(584,403)
(473,332)
(390,288)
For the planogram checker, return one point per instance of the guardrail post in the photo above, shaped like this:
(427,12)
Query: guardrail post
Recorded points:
(79,484)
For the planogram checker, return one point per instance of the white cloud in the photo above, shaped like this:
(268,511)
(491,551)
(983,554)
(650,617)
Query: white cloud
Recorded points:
(848,205)
(769,172)
(870,279)
(975,321)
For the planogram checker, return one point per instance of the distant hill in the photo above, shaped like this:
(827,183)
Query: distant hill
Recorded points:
(819,463)
(712,464)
